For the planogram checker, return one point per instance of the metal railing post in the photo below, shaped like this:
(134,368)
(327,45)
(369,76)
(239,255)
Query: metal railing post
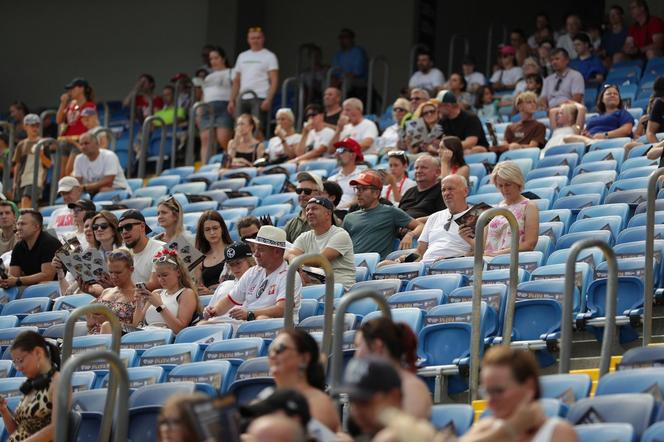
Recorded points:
(490,46)
(189,155)
(370,84)
(476,332)
(413,55)
(107,117)
(452,50)
(320,261)
(35,174)
(344,80)
(57,167)
(132,135)
(42,117)
(109,134)
(175,122)
(338,337)
(568,305)
(6,172)
(650,251)
(284,89)
(118,371)
(145,139)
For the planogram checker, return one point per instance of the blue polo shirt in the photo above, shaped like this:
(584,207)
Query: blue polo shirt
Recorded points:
(607,122)
(589,67)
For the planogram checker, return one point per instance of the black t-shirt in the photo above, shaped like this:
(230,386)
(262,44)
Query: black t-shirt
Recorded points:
(30,260)
(418,204)
(332,119)
(657,113)
(463,126)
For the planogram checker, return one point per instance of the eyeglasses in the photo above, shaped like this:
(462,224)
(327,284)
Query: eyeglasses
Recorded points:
(429,112)
(359,189)
(246,237)
(399,109)
(276,350)
(127,227)
(305,191)
(164,422)
(102,226)
(397,153)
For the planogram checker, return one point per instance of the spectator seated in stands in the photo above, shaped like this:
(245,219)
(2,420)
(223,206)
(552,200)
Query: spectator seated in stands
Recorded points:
(566,117)
(134,231)
(486,105)
(508,73)
(32,255)
(176,423)
(352,124)
(507,177)
(397,344)
(70,190)
(573,26)
(98,170)
(473,78)
(427,75)
(423,132)
(170,217)
(174,304)
(527,132)
(564,85)
(120,298)
(328,240)
(147,102)
(261,291)
(424,198)
(392,136)
(79,209)
(24,162)
(78,96)
(106,233)
(656,117)
(544,50)
(588,64)
(167,114)
(90,120)
(510,378)
(615,35)
(457,85)
(332,105)
(316,136)
(239,259)
(396,178)
(373,227)
(39,361)
(450,153)
(216,90)
(309,185)
(245,148)
(212,239)
(282,146)
(417,96)
(646,34)
(462,124)
(247,228)
(332,191)
(295,364)
(613,120)
(348,153)
(8,217)
(530,68)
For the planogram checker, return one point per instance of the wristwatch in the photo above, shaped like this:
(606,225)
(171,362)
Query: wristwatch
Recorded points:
(250,316)
(18,282)
(160,308)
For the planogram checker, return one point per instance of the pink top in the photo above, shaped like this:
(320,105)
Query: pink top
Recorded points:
(500,234)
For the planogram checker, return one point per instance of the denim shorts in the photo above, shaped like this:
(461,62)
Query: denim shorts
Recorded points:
(221,116)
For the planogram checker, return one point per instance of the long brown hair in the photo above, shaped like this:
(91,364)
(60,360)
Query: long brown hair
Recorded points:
(522,363)
(112,221)
(202,244)
(398,338)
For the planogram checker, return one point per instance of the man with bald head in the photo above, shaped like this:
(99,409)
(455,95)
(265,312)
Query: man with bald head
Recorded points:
(275,428)
(352,124)
(425,198)
(98,170)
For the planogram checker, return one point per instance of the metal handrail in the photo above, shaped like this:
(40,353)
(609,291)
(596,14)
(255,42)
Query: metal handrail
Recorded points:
(145,139)
(253,96)
(107,109)
(176,95)
(35,173)
(413,55)
(112,145)
(116,336)
(57,167)
(6,172)
(490,46)
(284,89)
(344,80)
(130,150)
(476,332)
(386,81)
(189,155)
(43,116)
(338,337)
(568,305)
(299,108)
(118,371)
(450,59)
(650,251)
(320,261)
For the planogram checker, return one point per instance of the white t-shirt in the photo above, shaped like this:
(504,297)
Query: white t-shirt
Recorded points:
(217,86)
(253,67)
(441,242)
(389,137)
(344,182)
(222,291)
(256,290)
(557,137)
(105,164)
(338,239)
(363,129)
(476,78)
(507,76)
(318,138)
(62,217)
(143,266)
(403,185)
(431,80)
(565,41)
(275,147)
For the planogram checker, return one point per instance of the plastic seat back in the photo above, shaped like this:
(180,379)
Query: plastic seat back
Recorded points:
(631,408)
(423,299)
(445,282)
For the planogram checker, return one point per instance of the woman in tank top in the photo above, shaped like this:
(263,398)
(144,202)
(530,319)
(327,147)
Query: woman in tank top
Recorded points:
(396,181)
(452,162)
(212,237)
(245,148)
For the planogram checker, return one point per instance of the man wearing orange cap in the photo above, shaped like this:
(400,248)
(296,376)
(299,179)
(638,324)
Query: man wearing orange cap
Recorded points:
(373,227)
(348,153)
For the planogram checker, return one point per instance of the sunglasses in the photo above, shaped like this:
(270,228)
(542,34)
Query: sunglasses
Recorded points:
(397,153)
(127,227)
(311,115)
(252,236)
(276,350)
(305,191)
(399,109)
(429,112)
(164,258)
(102,226)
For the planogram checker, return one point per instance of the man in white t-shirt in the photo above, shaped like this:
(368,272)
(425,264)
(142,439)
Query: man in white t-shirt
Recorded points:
(427,76)
(71,191)
(509,74)
(316,136)
(349,153)
(134,231)
(473,78)
(256,69)
(98,170)
(352,124)
(324,238)
(261,291)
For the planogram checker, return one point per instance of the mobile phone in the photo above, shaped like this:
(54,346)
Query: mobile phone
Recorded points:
(141,286)
(411,257)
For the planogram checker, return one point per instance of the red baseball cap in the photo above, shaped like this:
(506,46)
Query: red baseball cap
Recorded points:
(368,178)
(507,50)
(351,145)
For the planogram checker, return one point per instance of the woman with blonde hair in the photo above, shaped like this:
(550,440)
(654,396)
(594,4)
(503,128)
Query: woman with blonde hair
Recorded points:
(246,146)
(170,217)
(393,134)
(423,132)
(282,146)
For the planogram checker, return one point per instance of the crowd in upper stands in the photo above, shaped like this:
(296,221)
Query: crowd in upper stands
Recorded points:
(538,82)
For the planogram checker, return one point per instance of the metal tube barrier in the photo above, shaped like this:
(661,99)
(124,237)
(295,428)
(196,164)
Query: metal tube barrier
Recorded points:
(37,165)
(6,172)
(284,89)
(174,128)
(300,106)
(57,167)
(145,139)
(386,81)
(344,81)
(118,371)
(130,150)
(413,55)
(320,261)
(650,251)
(189,155)
(255,105)
(42,117)
(338,338)
(116,333)
(450,59)
(476,332)
(490,47)
(568,304)
(109,134)
(107,116)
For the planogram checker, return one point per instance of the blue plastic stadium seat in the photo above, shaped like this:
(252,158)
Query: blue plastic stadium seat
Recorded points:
(308,307)
(9,387)
(614,432)
(170,355)
(620,185)
(228,184)
(500,276)
(461,312)
(424,299)
(165,180)
(494,295)
(631,408)
(182,171)
(247,202)
(610,143)
(189,188)
(654,433)
(314,324)
(8,321)
(595,166)
(488,157)
(532,153)
(24,307)
(211,376)
(491,199)
(263,328)
(632,197)
(44,320)
(251,378)
(139,203)
(274,210)
(317,291)
(155,192)
(72,302)
(547,289)
(557,215)
(90,404)
(203,177)
(281,198)
(576,148)
(140,376)
(144,339)
(43,290)
(236,350)
(360,307)
(404,271)
(612,223)
(259,190)
(527,261)
(566,241)
(464,266)
(385,287)
(57,331)
(638,380)
(204,334)
(446,282)
(553,230)
(369,260)
(577,202)
(569,159)
(251,171)
(411,316)
(361,274)
(548,172)
(460,416)
(568,387)
(112,195)
(632,234)
(135,184)
(7,335)
(200,206)
(276,181)
(328,164)
(7,369)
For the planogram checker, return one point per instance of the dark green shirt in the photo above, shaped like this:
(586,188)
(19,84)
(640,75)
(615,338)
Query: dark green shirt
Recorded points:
(375,230)
(295,226)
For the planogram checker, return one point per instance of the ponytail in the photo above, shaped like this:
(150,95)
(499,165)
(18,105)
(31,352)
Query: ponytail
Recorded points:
(409,347)
(398,339)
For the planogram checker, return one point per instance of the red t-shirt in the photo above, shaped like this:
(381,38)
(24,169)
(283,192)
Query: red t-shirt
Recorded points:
(73,117)
(642,34)
(143,105)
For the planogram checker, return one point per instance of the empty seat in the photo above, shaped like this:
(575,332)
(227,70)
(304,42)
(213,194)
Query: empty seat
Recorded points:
(204,334)
(251,378)
(170,355)
(568,387)
(317,292)
(144,339)
(411,316)
(566,241)
(368,260)
(632,408)
(43,290)
(263,328)
(612,223)
(548,289)
(44,320)
(527,261)
(140,376)
(238,349)
(463,266)
(458,416)
(385,287)
(632,234)
(215,374)
(424,299)
(314,324)
(446,282)
(24,307)
(618,209)
(577,202)
(614,432)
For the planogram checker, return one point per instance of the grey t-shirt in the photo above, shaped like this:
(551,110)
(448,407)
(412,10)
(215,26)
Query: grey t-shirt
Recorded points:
(374,230)
(338,239)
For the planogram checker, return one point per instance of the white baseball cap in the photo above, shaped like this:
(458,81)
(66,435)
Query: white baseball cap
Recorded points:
(66,184)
